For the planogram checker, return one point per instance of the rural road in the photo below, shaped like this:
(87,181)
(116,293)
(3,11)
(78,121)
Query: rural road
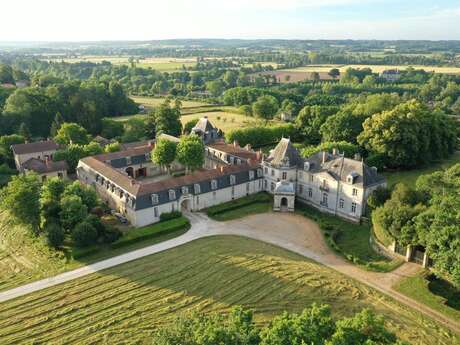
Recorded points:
(289,231)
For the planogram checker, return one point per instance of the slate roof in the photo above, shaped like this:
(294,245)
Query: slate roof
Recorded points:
(203,125)
(39,146)
(41,167)
(285,152)
(284,187)
(233,150)
(135,151)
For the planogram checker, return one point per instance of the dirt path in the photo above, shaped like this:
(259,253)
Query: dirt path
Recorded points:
(290,231)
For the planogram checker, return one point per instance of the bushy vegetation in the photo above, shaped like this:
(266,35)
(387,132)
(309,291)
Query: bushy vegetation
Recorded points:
(260,136)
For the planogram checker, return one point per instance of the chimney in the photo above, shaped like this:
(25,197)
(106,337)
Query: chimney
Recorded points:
(248,147)
(235,143)
(324,156)
(221,168)
(259,155)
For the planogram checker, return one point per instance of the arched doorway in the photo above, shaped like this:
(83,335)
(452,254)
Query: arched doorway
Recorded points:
(130,171)
(284,202)
(186,205)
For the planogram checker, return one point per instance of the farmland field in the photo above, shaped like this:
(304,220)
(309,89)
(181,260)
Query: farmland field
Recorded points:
(223,120)
(375,68)
(159,64)
(150,102)
(126,303)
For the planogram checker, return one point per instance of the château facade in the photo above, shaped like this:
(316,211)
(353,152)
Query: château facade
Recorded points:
(133,185)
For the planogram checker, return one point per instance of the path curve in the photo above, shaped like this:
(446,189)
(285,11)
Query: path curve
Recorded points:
(289,231)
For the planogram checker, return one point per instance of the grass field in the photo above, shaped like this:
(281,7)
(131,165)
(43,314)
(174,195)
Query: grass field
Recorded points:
(159,64)
(126,303)
(223,119)
(151,102)
(24,259)
(418,288)
(375,68)
(409,177)
(251,204)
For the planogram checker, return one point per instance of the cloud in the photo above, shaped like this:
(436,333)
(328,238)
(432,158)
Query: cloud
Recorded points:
(278,4)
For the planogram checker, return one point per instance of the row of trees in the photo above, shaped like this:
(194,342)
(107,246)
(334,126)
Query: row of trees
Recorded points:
(189,152)
(314,326)
(427,216)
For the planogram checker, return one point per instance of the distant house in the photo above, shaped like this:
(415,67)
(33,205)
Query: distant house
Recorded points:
(38,157)
(20,84)
(391,75)
(286,116)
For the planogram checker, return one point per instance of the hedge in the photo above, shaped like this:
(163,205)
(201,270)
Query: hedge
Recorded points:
(238,203)
(151,231)
(260,136)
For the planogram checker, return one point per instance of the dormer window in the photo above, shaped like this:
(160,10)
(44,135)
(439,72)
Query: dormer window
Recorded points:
(251,175)
(172,194)
(185,190)
(306,166)
(154,198)
(213,184)
(232,179)
(351,178)
(238,161)
(259,172)
(197,188)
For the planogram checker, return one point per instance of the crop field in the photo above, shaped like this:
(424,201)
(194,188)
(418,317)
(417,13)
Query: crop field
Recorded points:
(151,102)
(223,120)
(159,64)
(128,302)
(375,68)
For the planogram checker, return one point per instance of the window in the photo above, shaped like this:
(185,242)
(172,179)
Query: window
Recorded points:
(251,175)
(273,172)
(197,188)
(232,179)
(355,192)
(238,161)
(259,172)
(154,198)
(266,170)
(341,203)
(324,203)
(232,160)
(310,192)
(300,189)
(284,175)
(272,186)
(213,184)
(247,187)
(155,211)
(265,184)
(311,178)
(184,190)
(172,194)
(353,207)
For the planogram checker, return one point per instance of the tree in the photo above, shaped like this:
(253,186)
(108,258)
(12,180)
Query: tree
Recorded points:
(24,132)
(71,133)
(5,145)
(6,74)
(311,118)
(348,149)
(190,152)
(166,118)
(21,198)
(164,152)
(73,211)
(343,126)
(84,234)
(265,107)
(189,125)
(54,235)
(113,147)
(111,129)
(50,196)
(409,135)
(57,123)
(334,73)
(378,197)
(87,194)
(215,87)
(134,130)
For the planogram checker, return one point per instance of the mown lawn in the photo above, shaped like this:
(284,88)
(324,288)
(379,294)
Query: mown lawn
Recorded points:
(438,295)
(126,303)
(350,240)
(409,177)
(223,119)
(252,204)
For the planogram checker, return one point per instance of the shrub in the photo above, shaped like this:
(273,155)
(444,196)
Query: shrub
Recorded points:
(170,215)
(84,234)
(54,234)
(235,204)
(111,234)
(260,136)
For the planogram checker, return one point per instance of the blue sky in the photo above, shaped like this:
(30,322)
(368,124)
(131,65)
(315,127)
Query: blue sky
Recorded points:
(63,20)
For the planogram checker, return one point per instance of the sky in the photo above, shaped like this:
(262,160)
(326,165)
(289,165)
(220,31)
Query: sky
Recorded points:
(95,20)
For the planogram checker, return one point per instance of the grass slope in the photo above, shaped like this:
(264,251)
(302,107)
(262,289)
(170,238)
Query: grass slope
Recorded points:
(126,303)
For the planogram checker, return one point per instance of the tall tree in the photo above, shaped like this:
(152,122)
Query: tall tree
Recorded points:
(164,152)
(265,107)
(72,133)
(190,152)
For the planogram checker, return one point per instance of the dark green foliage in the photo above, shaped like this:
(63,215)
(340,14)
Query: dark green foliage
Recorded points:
(170,215)
(310,119)
(73,211)
(111,129)
(378,197)
(71,133)
(164,152)
(73,153)
(348,149)
(87,194)
(54,234)
(21,198)
(260,136)
(265,107)
(314,326)
(134,130)
(190,152)
(166,118)
(84,234)
(189,125)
